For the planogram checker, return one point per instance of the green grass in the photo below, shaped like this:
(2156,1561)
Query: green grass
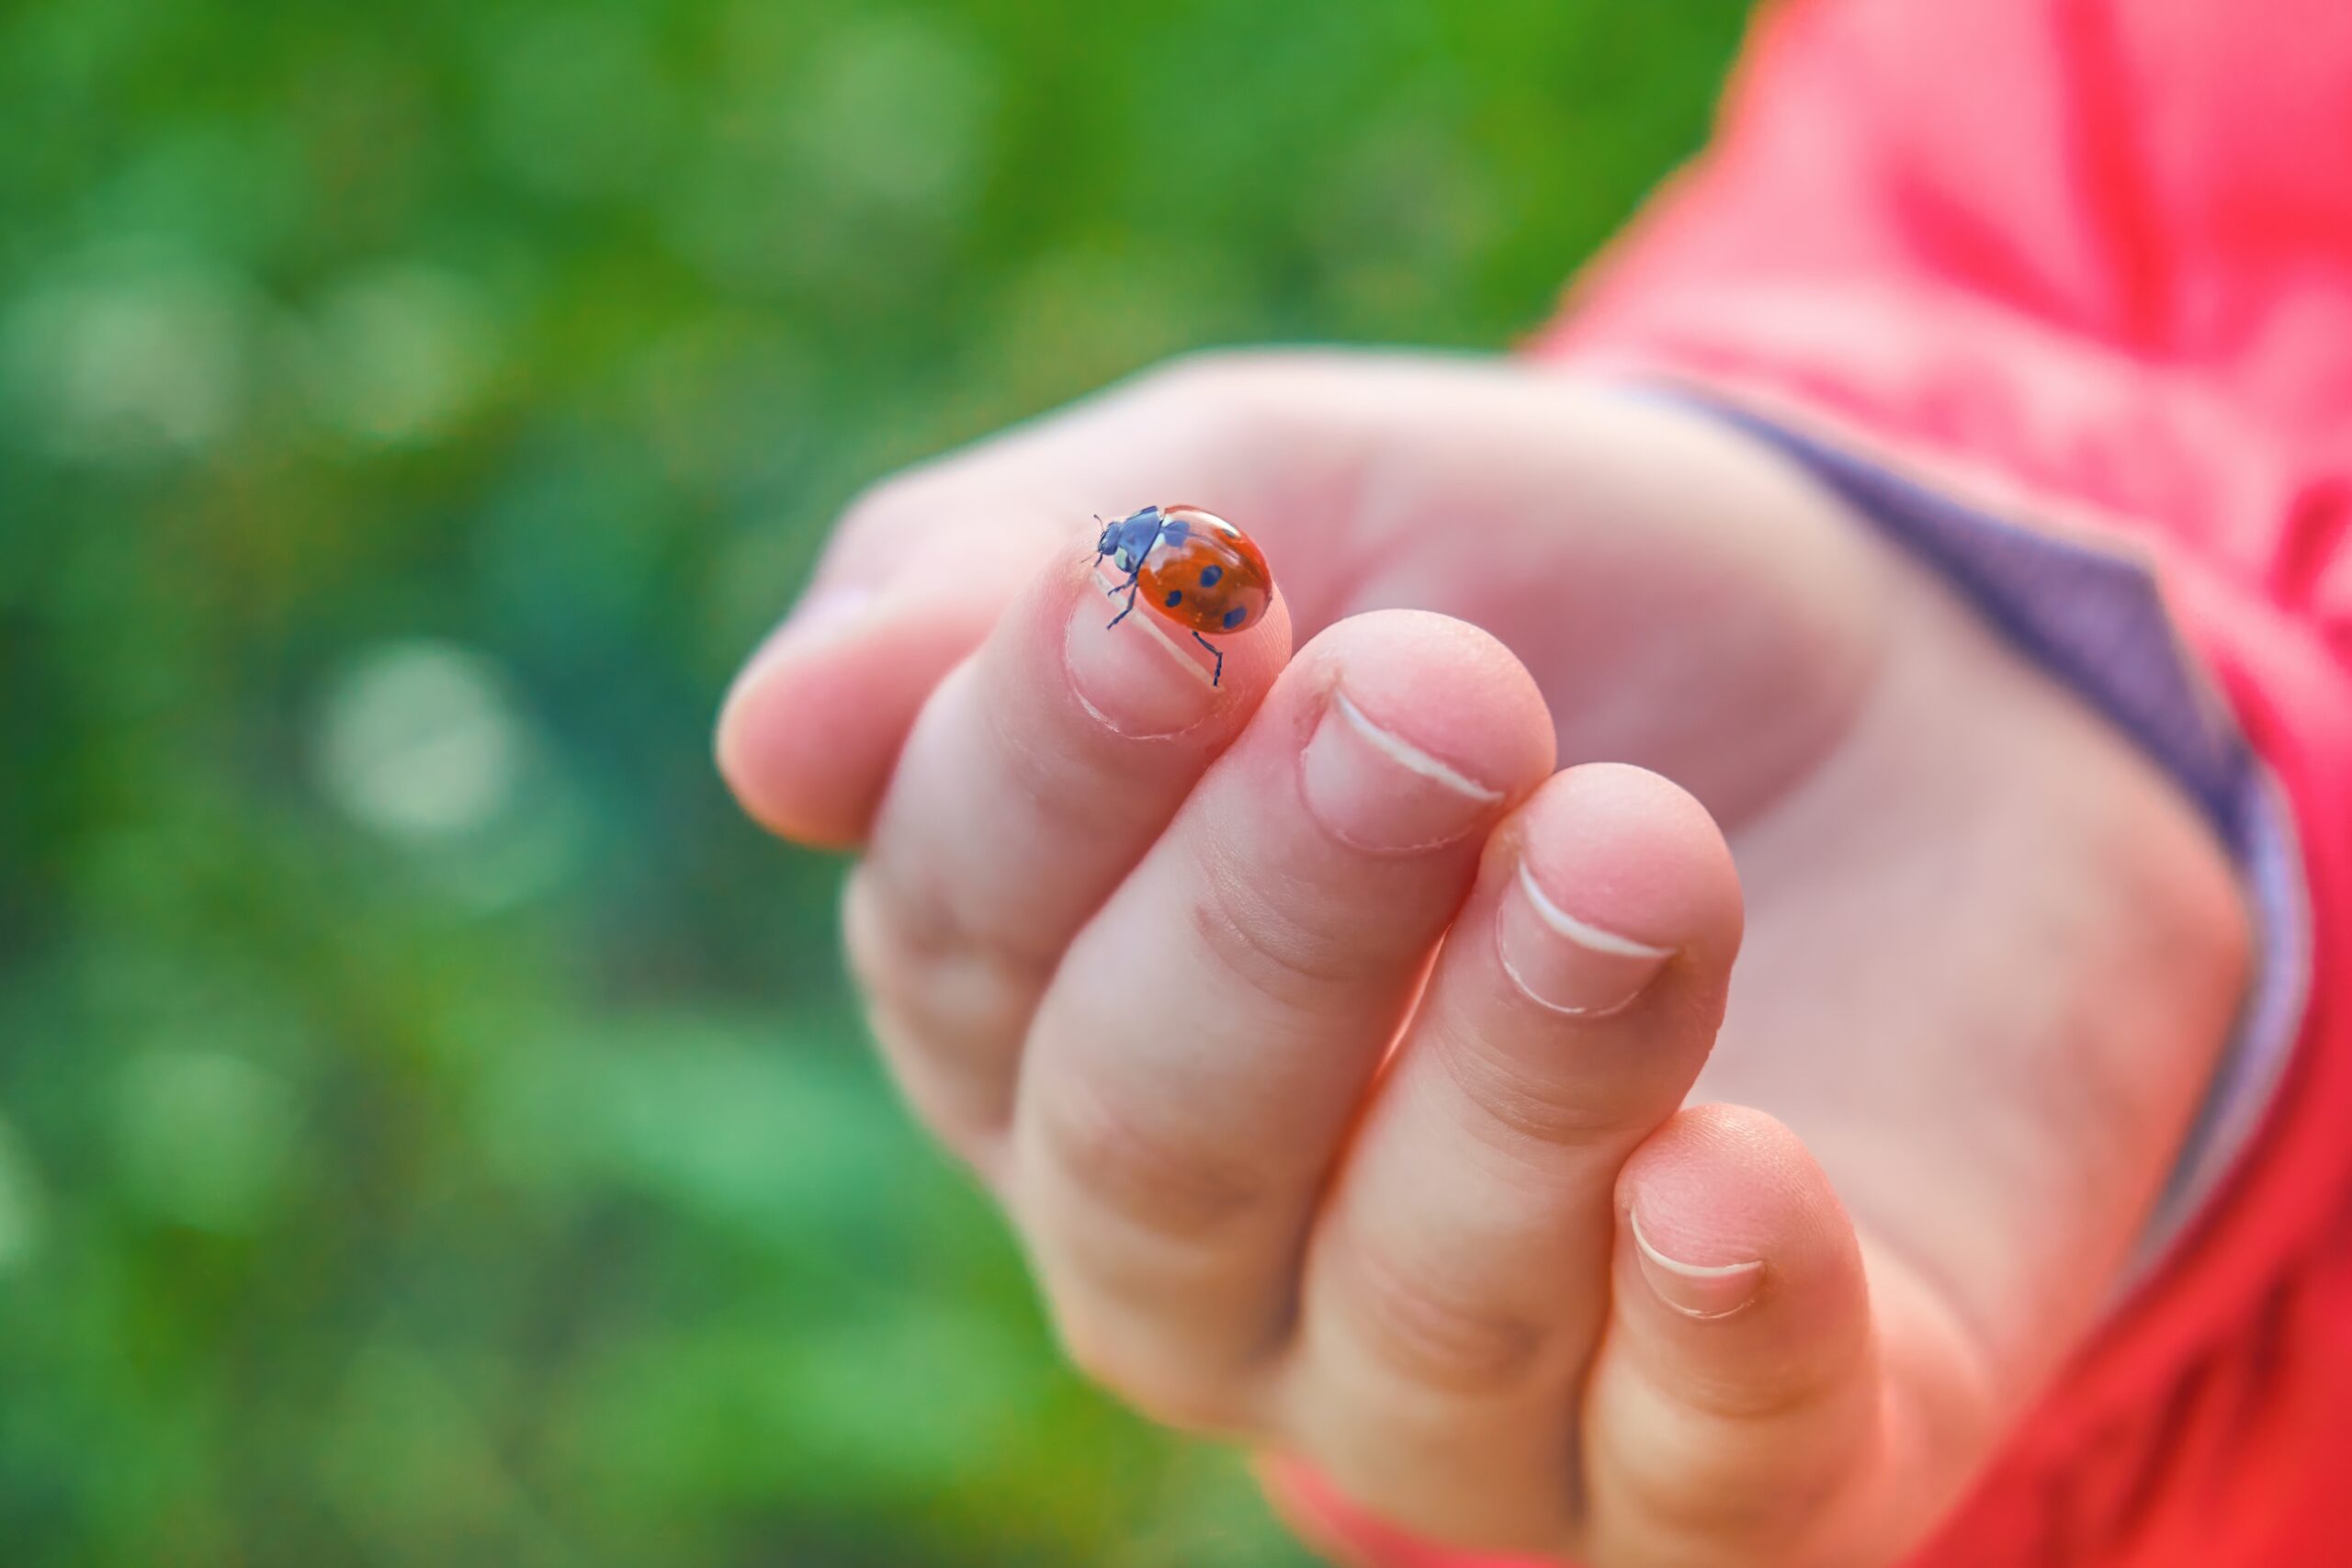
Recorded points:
(432,1128)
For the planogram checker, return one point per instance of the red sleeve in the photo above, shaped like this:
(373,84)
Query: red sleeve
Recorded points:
(2086,260)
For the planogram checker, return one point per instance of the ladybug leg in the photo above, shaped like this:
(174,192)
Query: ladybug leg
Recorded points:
(1134,584)
(1215,652)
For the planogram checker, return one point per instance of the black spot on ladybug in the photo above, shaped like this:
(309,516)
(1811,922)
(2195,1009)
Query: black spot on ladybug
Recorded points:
(1235,616)
(1209,575)
(1175,597)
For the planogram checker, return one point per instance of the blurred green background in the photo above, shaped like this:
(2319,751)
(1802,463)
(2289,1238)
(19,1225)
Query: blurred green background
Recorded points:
(433,1126)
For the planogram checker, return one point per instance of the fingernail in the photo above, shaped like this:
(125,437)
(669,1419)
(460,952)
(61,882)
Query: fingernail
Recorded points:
(823,613)
(1135,677)
(1696,1290)
(1378,791)
(1565,963)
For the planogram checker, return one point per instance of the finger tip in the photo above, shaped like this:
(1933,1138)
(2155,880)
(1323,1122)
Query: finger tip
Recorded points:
(1269,643)
(1629,852)
(1740,1305)
(1139,675)
(1723,1185)
(808,737)
(1448,687)
(796,758)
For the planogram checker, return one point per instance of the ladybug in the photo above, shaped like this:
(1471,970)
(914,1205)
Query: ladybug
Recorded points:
(1196,568)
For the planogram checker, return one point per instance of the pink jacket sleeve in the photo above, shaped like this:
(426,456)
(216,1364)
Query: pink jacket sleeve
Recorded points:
(2083,266)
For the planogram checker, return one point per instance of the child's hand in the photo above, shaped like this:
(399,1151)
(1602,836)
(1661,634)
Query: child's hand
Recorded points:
(1138,948)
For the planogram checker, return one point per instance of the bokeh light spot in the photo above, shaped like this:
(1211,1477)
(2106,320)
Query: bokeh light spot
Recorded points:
(123,361)
(419,741)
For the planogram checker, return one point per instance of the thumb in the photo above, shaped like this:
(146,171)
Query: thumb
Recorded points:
(812,725)
(919,569)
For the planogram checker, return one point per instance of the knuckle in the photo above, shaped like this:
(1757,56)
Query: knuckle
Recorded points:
(1094,789)
(1178,1185)
(1434,1333)
(900,933)
(949,1020)
(1249,938)
(1546,1104)
(1787,1389)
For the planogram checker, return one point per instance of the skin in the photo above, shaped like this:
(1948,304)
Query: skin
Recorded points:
(1163,964)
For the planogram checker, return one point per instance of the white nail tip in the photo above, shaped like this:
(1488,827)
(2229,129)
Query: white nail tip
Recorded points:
(1712,1278)
(1563,1009)
(1579,931)
(1410,757)
(1688,1271)
(1182,655)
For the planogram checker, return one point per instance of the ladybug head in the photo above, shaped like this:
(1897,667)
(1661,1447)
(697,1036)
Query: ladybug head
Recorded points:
(1129,539)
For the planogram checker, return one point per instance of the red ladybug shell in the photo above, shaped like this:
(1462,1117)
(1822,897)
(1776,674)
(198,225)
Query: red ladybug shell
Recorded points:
(1214,579)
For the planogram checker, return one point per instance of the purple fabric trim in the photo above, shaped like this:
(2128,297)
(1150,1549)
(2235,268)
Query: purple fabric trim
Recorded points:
(2097,621)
